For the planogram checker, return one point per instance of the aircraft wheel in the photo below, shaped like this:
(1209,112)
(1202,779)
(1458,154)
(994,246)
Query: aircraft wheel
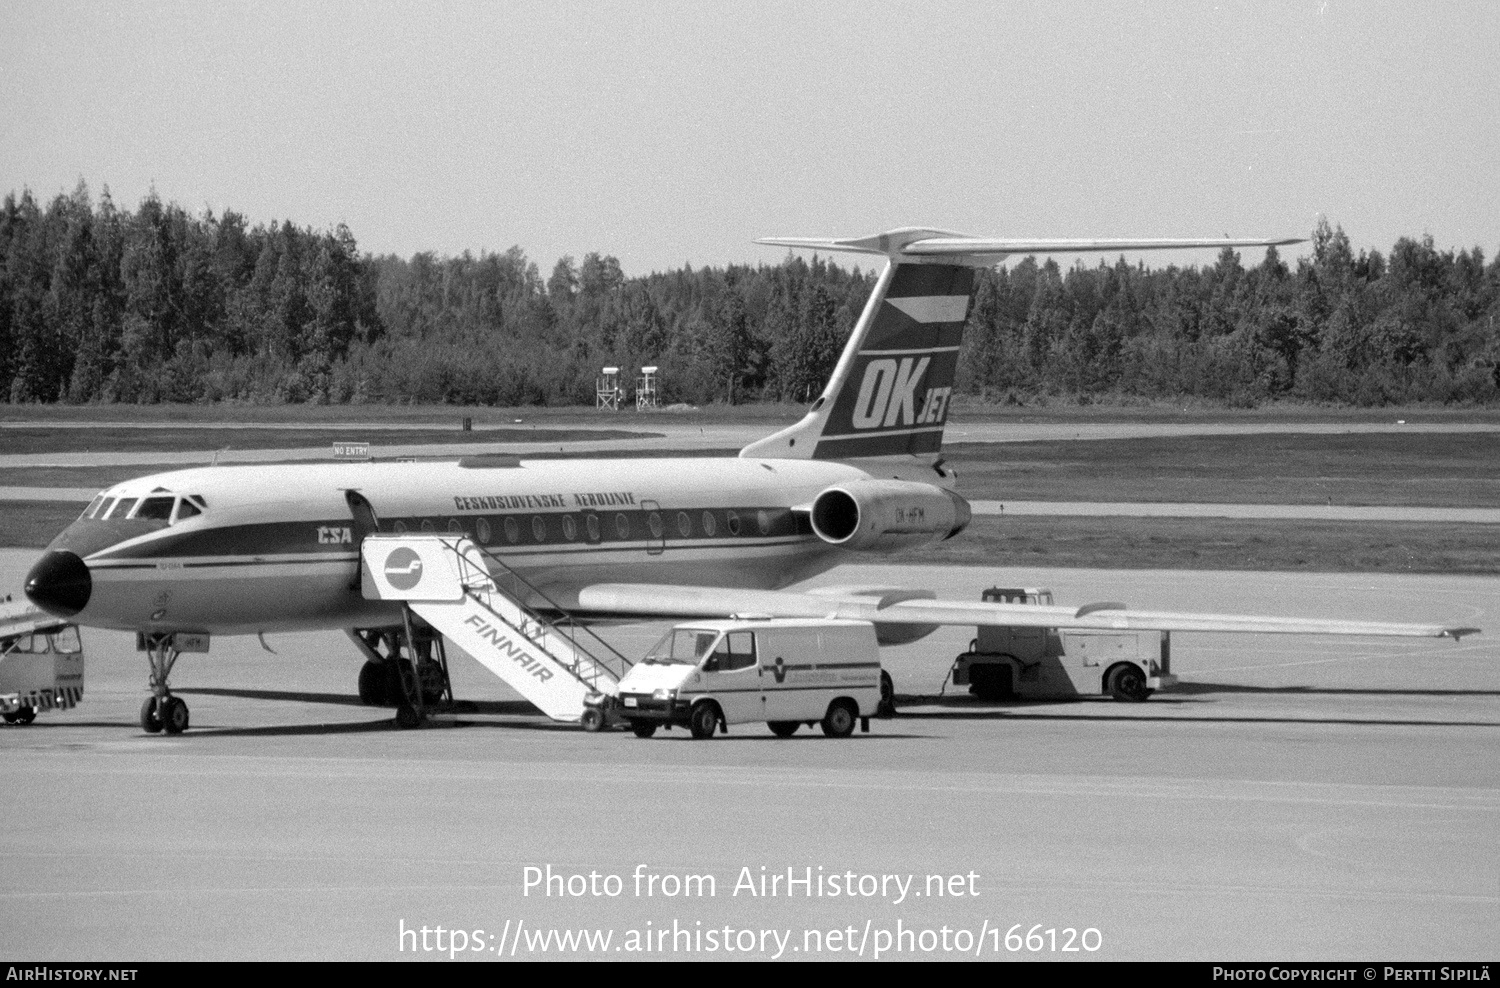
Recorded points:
(783,728)
(150,719)
(703,720)
(400,682)
(373,690)
(1127,683)
(643,728)
(839,722)
(431,675)
(174,715)
(592,719)
(887,694)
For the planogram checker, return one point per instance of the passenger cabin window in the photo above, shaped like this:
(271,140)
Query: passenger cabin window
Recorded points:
(155,509)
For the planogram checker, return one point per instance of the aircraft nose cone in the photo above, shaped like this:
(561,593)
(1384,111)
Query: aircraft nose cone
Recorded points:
(60,583)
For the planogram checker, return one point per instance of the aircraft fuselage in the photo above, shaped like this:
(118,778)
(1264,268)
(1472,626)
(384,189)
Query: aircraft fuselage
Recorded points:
(247,549)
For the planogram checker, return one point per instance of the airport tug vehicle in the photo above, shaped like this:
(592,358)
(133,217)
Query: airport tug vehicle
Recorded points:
(784,673)
(1006,662)
(41,662)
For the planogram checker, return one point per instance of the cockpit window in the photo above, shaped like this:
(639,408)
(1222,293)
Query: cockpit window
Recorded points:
(103,510)
(93,506)
(122,508)
(155,509)
(186,509)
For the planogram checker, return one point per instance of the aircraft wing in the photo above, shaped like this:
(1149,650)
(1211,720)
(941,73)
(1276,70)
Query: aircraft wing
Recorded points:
(916,609)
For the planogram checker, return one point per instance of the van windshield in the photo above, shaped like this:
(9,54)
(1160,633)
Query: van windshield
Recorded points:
(682,646)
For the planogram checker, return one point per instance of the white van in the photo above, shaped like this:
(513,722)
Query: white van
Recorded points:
(782,672)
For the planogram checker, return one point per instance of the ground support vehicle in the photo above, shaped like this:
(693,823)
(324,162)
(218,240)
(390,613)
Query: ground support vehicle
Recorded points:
(1026,663)
(784,673)
(41,663)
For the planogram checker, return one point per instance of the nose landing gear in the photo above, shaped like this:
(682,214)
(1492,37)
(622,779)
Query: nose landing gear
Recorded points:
(162,711)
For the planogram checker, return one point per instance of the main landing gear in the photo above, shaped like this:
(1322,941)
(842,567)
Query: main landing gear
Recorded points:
(162,711)
(389,678)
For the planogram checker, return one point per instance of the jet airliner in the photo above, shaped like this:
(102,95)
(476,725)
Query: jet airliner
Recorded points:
(232,550)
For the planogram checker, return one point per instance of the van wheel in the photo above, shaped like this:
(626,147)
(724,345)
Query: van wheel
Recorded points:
(783,728)
(1126,682)
(703,720)
(643,728)
(839,722)
(887,695)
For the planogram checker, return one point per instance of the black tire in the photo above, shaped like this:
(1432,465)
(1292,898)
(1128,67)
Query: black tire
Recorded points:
(174,715)
(373,677)
(643,728)
(840,719)
(703,721)
(433,685)
(592,719)
(407,716)
(991,681)
(401,683)
(887,695)
(11,718)
(783,728)
(150,720)
(23,716)
(1128,684)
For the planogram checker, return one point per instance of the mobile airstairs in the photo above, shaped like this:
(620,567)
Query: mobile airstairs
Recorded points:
(477,602)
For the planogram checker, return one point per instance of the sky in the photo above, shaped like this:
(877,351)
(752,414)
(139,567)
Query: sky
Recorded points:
(676,133)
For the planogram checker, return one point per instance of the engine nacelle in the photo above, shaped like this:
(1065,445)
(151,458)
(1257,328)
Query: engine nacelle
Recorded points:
(886,515)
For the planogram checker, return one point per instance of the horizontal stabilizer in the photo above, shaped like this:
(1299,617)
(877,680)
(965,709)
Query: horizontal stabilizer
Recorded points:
(917,244)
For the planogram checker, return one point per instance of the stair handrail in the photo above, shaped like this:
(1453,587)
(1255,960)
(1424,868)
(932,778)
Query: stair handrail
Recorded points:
(569,631)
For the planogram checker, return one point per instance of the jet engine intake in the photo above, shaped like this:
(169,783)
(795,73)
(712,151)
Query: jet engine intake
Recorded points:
(887,515)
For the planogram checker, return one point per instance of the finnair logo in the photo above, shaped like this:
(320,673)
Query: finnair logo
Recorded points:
(403,568)
(888,395)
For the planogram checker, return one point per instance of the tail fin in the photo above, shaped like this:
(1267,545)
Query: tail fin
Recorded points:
(888,396)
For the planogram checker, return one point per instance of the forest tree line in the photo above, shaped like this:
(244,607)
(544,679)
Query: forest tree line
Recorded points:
(100,304)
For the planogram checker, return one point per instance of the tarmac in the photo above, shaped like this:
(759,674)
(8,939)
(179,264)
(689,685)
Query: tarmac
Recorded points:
(1293,798)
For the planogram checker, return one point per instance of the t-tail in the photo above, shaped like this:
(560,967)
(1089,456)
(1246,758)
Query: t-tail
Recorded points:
(890,392)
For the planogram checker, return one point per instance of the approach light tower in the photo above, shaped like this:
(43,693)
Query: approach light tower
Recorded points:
(645,388)
(607,389)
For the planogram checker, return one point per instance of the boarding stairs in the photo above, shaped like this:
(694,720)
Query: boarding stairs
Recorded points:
(480,604)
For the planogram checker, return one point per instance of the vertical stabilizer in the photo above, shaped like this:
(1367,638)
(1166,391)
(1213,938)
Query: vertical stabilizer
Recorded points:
(888,396)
